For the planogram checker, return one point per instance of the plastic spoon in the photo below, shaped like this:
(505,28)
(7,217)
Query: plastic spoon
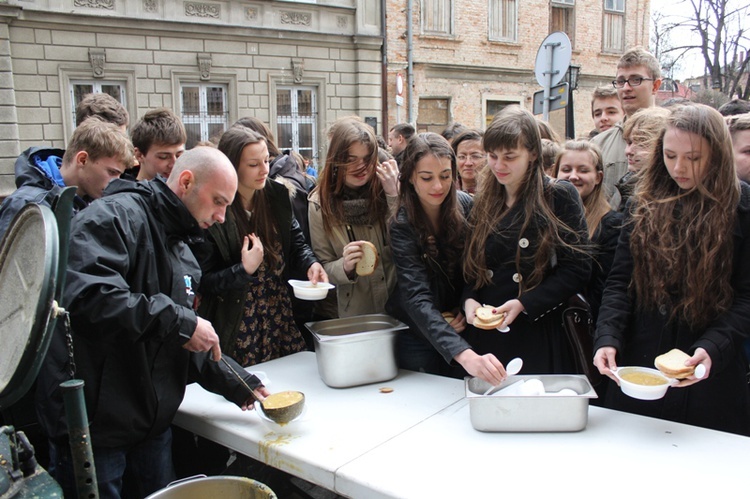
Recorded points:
(700,371)
(513,368)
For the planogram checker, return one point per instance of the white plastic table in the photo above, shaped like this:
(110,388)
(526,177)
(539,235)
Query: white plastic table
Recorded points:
(418,442)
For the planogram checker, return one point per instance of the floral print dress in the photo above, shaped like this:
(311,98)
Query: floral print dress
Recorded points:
(267,330)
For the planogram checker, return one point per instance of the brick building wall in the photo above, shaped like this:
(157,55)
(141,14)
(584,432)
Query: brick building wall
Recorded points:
(468,69)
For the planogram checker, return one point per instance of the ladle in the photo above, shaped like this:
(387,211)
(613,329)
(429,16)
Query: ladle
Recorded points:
(279,415)
(512,368)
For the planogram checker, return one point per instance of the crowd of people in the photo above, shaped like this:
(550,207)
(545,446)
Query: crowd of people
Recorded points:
(186,256)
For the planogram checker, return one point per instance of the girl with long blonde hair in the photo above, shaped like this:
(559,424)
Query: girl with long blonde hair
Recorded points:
(681,276)
(580,163)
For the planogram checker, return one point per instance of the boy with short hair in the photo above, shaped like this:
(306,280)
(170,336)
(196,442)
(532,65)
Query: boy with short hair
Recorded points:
(159,139)
(106,107)
(97,153)
(606,109)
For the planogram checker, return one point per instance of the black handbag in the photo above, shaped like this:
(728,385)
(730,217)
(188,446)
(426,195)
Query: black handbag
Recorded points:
(579,331)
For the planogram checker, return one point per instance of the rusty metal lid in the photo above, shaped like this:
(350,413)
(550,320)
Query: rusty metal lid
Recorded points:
(29,259)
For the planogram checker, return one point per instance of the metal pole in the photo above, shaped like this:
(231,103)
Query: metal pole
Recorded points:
(549,48)
(410,61)
(80,439)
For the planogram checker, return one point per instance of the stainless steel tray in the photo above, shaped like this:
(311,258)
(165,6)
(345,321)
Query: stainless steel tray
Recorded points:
(356,350)
(531,413)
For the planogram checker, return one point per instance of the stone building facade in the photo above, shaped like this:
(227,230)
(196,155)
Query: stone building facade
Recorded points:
(297,65)
(472,57)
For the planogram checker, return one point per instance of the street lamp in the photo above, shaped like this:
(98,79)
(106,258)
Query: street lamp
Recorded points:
(574,71)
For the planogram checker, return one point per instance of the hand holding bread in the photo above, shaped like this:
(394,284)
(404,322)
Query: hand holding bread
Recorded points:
(681,366)
(360,257)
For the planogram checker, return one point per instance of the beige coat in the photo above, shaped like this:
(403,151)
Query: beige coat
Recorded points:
(363,295)
(615,162)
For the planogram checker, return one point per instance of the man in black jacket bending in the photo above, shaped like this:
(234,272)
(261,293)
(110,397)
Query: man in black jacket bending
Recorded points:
(137,340)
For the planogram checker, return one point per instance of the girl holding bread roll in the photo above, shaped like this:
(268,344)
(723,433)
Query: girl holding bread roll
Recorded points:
(681,278)
(427,240)
(526,250)
(348,213)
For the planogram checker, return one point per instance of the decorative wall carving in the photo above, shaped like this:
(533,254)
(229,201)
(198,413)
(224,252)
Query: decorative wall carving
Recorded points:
(298,69)
(150,6)
(97,57)
(198,9)
(296,18)
(204,66)
(341,21)
(95,4)
(251,14)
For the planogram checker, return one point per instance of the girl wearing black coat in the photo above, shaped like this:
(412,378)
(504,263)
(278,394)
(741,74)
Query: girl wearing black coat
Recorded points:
(681,276)
(526,252)
(427,240)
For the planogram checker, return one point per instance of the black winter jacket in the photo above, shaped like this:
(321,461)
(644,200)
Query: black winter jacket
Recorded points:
(130,291)
(423,290)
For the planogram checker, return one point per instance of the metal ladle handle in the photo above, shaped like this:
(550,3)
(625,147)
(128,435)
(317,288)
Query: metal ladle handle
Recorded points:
(260,398)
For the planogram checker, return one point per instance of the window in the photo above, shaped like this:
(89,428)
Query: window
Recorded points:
(502,20)
(204,111)
(434,115)
(613,32)
(81,88)
(492,107)
(563,17)
(437,17)
(296,120)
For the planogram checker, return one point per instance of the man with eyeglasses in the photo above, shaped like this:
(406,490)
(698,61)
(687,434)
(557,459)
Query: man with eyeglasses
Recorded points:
(637,81)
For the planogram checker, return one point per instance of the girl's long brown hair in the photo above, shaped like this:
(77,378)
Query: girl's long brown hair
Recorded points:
(342,135)
(262,222)
(514,127)
(681,241)
(452,224)
(595,206)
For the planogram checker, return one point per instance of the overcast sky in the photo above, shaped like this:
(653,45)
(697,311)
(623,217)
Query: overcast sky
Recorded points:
(691,65)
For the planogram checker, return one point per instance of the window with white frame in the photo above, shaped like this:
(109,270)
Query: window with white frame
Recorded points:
(563,18)
(204,111)
(437,17)
(613,32)
(503,17)
(297,120)
(81,88)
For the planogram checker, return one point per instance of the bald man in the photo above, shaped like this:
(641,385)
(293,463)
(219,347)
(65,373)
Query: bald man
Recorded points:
(130,292)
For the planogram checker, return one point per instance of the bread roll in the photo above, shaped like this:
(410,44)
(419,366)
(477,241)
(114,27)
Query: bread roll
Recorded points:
(488,318)
(672,364)
(369,262)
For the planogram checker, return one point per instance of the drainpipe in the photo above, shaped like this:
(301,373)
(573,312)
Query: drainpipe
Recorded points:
(410,61)
(384,79)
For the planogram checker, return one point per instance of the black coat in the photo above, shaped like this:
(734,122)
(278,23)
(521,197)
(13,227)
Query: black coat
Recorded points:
(536,335)
(604,244)
(225,282)
(130,290)
(720,402)
(424,290)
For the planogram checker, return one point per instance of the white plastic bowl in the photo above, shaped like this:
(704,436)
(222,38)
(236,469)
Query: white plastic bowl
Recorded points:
(304,290)
(643,392)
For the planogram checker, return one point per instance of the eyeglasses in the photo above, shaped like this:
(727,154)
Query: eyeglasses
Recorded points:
(474,157)
(633,82)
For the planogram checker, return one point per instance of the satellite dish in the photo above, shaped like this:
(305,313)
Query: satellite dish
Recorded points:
(561,54)
(28,272)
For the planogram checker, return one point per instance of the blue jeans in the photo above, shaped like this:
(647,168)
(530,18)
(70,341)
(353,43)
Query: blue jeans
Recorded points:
(120,472)
(415,354)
